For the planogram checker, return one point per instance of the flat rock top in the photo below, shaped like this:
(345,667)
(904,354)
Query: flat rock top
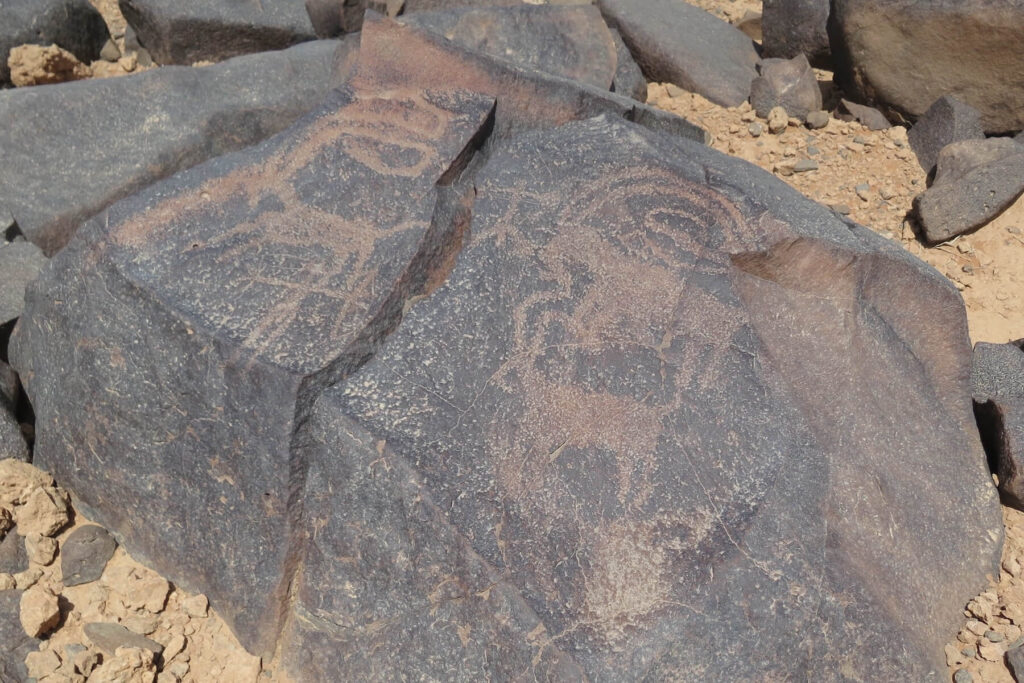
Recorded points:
(290,248)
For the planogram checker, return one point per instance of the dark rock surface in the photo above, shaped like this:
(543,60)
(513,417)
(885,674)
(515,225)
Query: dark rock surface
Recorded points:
(948,120)
(108,637)
(998,379)
(12,441)
(905,54)
(868,116)
(675,42)
(13,556)
(107,138)
(568,41)
(15,644)
(74,25)
(189,31)
(85,553)
(333,17)
(794,27)
(787,83)
(975,181)
(486,382)
(629,79)
(20,263)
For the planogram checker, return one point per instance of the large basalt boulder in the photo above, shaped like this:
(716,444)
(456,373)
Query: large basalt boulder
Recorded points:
(74,149)
(74,25)
(793,27)
(998,390)
(678,43)
(189,31)
(905,54)
(472,377)
(947,120)
(572,42)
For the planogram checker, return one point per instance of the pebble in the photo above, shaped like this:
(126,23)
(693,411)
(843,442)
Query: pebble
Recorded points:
(967,269)
(778,120)
(39,611)
(995,636)
(813,151)
(28,578)
(963,676)
(805,165)
(45,512)
(755,129)
(817,119)
(862,191)
(841,209)
(109,637)
(41,549)
(173,647)
(195,606)
(85,554)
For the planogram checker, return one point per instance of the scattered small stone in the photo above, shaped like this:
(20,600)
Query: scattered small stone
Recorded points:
(85,661)
(841,209)
(813,151)
(195,606)
(173,647)
(967,268)
(994,636)
(110,637)
(39,611)
(817,119)
(42,664)
(868,116)
(886,193)
(755,129)
(990,652)
(862,191)
(128,665)
(41,549)
(975,627)
(140,622)
(45,512)
(110,51)
(786,83)
(778,120)
(28,578)
(138,589)
(963,676)
(805,165)
(85,554)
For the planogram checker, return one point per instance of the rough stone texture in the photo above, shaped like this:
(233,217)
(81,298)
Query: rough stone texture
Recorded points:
(905,54)
(948,120)
(786,83)
(678,43)
(629,79)
(85,553)
(188,31)
(13,555)
(572,42)
(12,441)
(331,221)
(15,644)
(45,512)
(975,181)
(109,637)
(20,263)
(74,25)
(998,380)
(44,65)
(542,413)
(38,611)
(869,116)
(108,138)
(794,27)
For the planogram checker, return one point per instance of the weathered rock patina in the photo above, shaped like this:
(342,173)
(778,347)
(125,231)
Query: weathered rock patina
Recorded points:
(467,376)
(109,138)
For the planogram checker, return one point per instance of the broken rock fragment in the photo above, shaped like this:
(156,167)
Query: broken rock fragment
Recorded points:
(189,31)
(786,83)
(85,553)
(998,379)
(948,120)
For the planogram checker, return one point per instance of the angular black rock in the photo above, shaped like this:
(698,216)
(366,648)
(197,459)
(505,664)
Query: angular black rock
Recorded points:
(13,557)
(20,263)
(550,411)
(629,79)
(572,42)
(998,379)
(786,83)
(189,31)
(72,150)
(904,54)
(975,181)
(15,644)
(948,120)
(84,554)
(300,253)
(108,637)
(678,43)
(868,116)
(75,25)
(793,27)
(554,466)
